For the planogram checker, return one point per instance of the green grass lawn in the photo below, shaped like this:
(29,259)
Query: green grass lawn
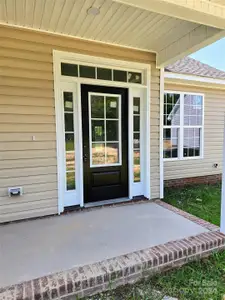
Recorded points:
(201,280)
(202,201)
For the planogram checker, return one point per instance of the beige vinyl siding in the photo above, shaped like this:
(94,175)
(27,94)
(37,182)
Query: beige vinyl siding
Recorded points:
(213,136)
(27,110)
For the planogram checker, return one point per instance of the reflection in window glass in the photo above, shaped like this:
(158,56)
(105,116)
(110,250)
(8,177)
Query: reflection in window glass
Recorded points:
(134,77)
(119,75)
(100,73)
(69,69)
(87,72)
(191,142)
(193,115)
(70,161)
(98,130)
(192,110)
(97,106)
(136,138)
(68,101)
(137,166)
(70,181)
(69,141)
(98,154)
(105,134)
(104,74)
(112,108)
(136,106)
(112,153)
(112,130)
(68,122)
(171,109)
(183,116)
(170,142)
(136,123)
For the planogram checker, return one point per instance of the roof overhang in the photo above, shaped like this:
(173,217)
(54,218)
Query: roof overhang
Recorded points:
(203,12)
(193,80)
(172,29)
(195,40)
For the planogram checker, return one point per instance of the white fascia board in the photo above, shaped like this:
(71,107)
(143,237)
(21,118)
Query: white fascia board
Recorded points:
(198,11)
(201,79)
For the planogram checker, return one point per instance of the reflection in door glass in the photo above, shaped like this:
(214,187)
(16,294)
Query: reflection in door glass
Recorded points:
(112,108)
(112,133)
(105,129)
(136,139)
(112,153)
(97,106)
(69,140)
(98,130)
(98,154)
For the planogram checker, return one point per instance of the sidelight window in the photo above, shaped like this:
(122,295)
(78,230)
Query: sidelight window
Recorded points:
(136,138)
(69,140)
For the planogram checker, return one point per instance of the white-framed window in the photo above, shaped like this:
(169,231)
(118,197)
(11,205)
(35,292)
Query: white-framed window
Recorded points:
(183,120)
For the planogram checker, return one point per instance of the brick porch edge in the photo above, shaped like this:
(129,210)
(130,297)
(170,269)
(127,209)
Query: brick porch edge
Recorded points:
(94,278)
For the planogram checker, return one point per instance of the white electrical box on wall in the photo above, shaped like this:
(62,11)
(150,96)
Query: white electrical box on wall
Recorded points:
(15,191)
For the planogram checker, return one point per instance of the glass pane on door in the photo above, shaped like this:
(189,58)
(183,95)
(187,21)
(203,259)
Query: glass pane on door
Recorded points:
(105,129)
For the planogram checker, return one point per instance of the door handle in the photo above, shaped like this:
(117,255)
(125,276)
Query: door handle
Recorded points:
(85,158)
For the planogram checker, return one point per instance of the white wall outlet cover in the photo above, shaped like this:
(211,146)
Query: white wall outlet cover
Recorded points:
(15,191)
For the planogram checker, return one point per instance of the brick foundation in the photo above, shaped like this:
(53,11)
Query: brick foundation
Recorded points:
(182,182)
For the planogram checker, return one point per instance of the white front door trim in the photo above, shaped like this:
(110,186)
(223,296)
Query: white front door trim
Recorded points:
(141,90)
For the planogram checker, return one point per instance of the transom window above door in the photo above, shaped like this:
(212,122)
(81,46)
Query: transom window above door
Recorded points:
(91,72)
(183,125)
(105,129)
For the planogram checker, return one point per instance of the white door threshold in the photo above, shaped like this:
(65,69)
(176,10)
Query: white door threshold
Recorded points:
(106,202)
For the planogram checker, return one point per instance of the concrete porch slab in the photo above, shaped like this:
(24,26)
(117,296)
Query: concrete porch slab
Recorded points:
(37,248)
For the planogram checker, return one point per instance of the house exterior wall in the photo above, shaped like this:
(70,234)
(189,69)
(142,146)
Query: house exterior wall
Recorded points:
(27,110)
(214,110)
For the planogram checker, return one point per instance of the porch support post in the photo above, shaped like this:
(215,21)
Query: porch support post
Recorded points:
(222,218)
(162,88)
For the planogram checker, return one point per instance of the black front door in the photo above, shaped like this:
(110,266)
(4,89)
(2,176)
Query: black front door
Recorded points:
(105,142)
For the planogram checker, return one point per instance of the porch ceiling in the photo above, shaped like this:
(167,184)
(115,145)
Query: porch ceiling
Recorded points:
(117,23)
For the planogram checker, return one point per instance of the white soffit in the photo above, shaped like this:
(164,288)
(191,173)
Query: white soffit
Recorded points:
(205,12)
(117,24)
